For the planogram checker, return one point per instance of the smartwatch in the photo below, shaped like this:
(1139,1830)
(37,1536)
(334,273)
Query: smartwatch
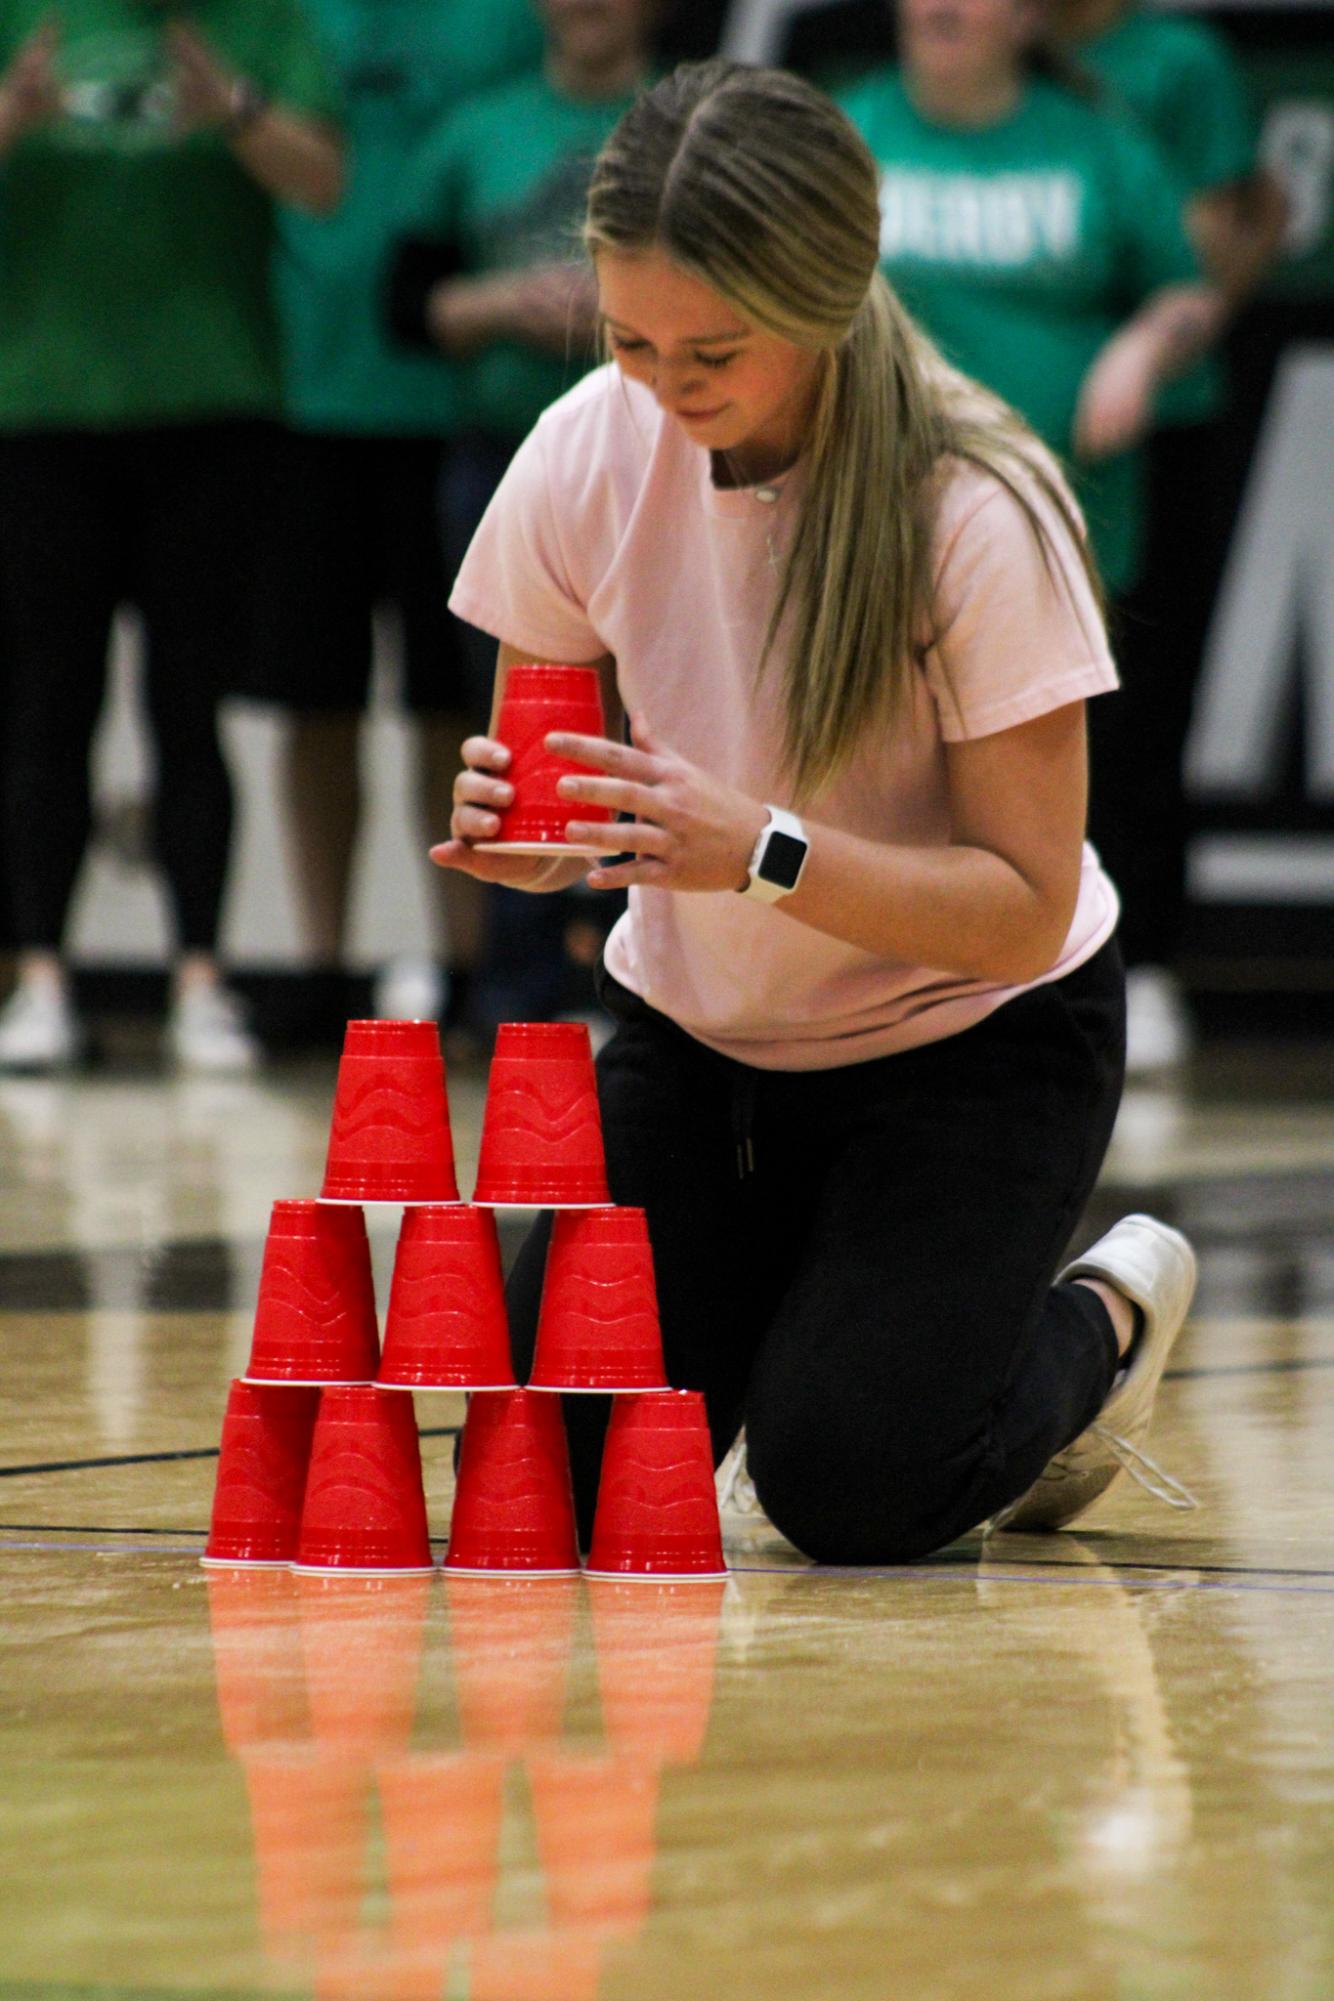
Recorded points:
(778,857)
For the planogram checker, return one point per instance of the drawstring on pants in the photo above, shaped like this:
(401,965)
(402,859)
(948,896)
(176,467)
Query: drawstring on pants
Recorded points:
(744,1086)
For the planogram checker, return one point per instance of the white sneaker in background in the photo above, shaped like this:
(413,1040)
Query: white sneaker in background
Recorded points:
(39,1029)
(409,989)
(207,1033)
(1159,1032)
(1155,1267)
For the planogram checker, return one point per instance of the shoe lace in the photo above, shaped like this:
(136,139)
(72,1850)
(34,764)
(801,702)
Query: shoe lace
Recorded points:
(1144,1471)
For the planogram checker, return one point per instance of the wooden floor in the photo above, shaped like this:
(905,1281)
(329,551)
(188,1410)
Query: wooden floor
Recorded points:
(1095,1765)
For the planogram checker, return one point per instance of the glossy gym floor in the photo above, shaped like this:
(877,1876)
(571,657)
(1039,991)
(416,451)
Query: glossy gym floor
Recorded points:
(1095,1765)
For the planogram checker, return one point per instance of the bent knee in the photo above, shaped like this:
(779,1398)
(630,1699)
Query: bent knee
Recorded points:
(856,1508)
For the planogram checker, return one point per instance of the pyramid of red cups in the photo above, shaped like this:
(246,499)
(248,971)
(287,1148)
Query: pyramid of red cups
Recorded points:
(320,1462)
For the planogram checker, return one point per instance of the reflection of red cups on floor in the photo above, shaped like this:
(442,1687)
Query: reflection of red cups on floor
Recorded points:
(309,1819)
(365,1505)
(446,1325)
(514,1504)
(257,1662)
(510,1643)
(596,1837)
(599,1328)
(657,1511)
(441,1817)
(261,1481)
(361,1641)
(315,1316)
(534,1966)
(389,1140)
(656,1643)
(536,700)
(542,1129)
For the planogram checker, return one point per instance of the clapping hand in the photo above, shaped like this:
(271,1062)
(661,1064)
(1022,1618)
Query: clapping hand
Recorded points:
(29,89)
(205,87)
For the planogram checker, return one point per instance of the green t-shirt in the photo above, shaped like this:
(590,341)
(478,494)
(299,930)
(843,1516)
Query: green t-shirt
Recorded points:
(134,261)
(1021,247)
(1183,83)
(505,180)
(403,65)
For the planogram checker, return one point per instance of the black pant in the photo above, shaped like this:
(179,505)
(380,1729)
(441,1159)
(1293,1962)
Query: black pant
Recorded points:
(858,1263)
(166,519)
(1139,814)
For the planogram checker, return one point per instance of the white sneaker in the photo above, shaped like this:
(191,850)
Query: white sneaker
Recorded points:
(207,1033)
(1159,1034)
(1155,1267)
(39,1030)
(409,989)
(735,1488)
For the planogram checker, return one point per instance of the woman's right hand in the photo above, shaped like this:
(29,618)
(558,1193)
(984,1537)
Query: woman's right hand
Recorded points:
(481,793)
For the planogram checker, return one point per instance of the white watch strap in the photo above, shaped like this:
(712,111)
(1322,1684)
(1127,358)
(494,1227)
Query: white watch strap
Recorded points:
(780,821)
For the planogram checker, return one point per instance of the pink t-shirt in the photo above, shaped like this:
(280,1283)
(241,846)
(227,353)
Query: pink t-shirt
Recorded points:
(608,536)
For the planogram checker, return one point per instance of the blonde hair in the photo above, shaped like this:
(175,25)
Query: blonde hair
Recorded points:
(755,183)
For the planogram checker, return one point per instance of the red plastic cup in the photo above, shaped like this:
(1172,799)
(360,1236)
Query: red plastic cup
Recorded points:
(598,1328)
(541,1129)
(365,1506)
(441,1816)
(536,700)
(656,1644)
(446,1327)
(389,1140)
(361,1642)
(315,1317)
(514,1505)
(262,1465)
(657,1511)
(257,1664)
(511,1641)
(596,1835)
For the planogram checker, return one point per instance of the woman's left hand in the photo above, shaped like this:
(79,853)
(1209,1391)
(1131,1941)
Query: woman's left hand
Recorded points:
(687,831)
(205,87)
(1115,406)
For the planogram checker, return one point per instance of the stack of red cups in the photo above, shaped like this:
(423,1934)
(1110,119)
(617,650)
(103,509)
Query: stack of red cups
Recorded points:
(320,1464)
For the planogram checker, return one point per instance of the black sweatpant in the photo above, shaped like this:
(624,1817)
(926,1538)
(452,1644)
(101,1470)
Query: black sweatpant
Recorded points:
(858,1263)
(166,519)
(1139,813)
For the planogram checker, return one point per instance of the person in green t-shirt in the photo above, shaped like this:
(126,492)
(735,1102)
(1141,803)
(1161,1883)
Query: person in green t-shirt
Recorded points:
(1039,240)
(358,481)
(1182,82)
(487,273)
(142,151)
(1038,232)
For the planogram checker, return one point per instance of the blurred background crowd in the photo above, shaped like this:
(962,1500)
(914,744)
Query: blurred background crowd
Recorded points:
(283,284)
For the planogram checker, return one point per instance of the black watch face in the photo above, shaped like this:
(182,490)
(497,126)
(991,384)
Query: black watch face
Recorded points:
(781,861)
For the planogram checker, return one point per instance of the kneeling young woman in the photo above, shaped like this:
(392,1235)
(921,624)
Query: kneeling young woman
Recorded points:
(868,998)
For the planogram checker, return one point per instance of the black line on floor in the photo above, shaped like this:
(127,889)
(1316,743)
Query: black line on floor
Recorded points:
(159,1458)
(87,1465)
(1296,1366)
(87,1528)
